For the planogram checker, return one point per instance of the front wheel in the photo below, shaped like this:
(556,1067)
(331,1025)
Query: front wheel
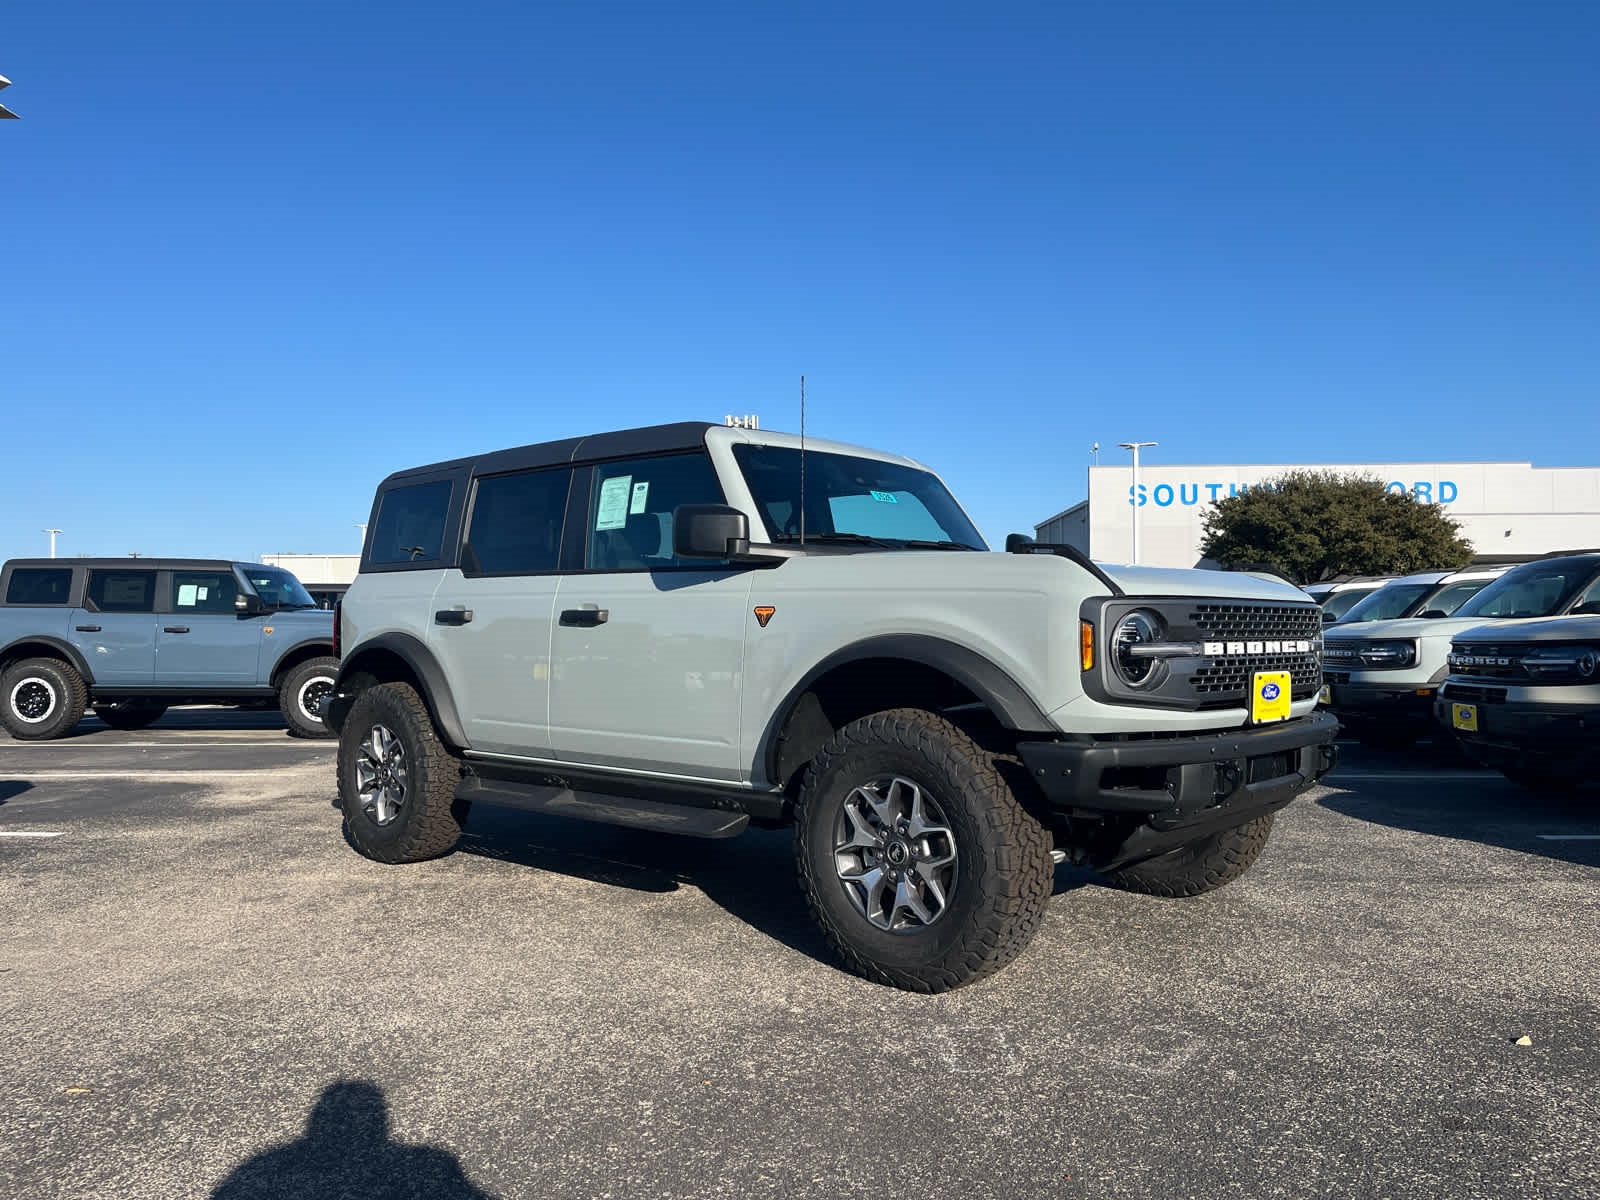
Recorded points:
(917,861)
(1202,866)
(41,698)
(397,780)
(302,691)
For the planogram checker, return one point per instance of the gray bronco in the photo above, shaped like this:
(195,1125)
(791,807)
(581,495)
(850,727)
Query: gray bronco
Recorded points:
(692,628)
(132,638)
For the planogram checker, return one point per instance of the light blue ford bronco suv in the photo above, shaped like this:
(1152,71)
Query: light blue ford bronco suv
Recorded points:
(691,628)
(132,637)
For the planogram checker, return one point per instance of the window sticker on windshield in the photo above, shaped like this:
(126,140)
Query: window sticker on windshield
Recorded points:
(612,511)
(885,497)
(188,594)
(640,492)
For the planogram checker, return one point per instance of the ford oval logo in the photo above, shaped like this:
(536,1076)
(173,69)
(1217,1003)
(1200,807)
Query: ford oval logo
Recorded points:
(1269,691)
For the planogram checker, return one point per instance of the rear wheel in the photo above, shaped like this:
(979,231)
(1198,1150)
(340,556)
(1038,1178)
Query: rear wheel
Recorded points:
(918,862)
(302,690)
(129,716)
(41,698)
(397,780)
(1202,866)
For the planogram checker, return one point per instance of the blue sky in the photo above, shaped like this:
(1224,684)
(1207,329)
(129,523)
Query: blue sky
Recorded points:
(253,258)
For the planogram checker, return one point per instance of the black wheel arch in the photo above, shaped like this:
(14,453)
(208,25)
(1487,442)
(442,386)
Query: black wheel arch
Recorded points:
(892,671)
(402,658)
(297,654)
(45,646)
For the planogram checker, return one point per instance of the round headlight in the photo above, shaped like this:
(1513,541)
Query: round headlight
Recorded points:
(1586,663)
(1138,628)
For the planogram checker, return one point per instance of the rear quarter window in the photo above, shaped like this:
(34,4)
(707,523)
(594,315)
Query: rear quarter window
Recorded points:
(410,524)
(39,585)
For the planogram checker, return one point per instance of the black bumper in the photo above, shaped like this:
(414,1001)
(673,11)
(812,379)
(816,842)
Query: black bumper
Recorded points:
(1179,781)
(1558,739)
(1408,709)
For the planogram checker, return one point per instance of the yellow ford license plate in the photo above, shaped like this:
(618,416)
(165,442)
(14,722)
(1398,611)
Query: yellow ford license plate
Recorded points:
(1269,697)
(1325,696)
(1464,716)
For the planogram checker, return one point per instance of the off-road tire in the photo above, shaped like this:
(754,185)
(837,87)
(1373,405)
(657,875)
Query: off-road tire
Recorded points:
(1203,865)
(41,698)
(427,823)
(130,716)
(1003,870)
(300,691)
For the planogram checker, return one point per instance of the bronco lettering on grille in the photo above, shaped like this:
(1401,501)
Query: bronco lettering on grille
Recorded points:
(1233,649)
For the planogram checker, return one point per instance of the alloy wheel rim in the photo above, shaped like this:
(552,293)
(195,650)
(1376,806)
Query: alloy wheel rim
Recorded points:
(381,775)
(895,854)
(311,694)
(33,700)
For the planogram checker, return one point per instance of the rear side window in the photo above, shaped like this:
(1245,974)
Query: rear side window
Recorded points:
(410,524)
(122,591)
(39,585)
(517,521)
(203,591)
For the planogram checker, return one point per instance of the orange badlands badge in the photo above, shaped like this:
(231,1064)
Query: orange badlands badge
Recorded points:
(764,613)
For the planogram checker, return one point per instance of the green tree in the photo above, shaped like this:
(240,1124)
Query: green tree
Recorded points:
(1312,525)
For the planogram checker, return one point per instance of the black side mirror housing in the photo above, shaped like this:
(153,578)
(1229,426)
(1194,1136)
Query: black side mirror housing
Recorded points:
(248,606)
(1017,542)
(710,531)
(1328,618)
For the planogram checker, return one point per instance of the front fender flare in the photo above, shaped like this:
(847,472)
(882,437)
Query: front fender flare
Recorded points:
(425,667)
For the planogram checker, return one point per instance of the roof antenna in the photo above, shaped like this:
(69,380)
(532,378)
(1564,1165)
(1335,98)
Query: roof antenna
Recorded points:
(802,460)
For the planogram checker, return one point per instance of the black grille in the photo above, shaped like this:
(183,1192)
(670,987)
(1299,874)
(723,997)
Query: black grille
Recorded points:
(1487,670)
(1336,677)
(1257,621)
(1234,677)
(1466,693)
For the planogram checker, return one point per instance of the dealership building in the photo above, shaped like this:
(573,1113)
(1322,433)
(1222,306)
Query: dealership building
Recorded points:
(1509,511)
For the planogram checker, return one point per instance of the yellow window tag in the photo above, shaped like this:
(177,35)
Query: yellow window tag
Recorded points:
(1269,697)
(1464,716)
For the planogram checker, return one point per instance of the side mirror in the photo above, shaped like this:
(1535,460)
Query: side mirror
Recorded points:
(1328,618)
(1016,542)
(248,606)
(709,531)
(1431,613)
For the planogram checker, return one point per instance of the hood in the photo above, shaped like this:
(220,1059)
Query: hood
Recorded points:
(1539,629)
(1187,581)
(1406,627)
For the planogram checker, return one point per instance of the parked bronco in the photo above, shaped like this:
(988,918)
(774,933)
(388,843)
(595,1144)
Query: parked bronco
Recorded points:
(692,628)
(132,637)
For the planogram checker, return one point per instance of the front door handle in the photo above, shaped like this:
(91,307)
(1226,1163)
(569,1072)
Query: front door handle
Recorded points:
(174,629)
(452,616)
(587,616)
(87,628)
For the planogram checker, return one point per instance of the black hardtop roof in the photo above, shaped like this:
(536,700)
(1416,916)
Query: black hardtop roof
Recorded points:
(592,447)
(137,564)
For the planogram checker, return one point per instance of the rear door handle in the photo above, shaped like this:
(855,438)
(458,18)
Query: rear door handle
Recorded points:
(174,629)
(87,628)
(588,615)
(452,616)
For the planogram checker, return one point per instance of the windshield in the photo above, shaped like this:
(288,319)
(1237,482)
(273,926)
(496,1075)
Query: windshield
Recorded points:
(277,588)
(1388,602)
(1537,589)
(848,497)
(1345,599)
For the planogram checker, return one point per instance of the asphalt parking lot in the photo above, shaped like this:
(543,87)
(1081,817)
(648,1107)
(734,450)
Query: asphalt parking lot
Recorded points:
(205,992)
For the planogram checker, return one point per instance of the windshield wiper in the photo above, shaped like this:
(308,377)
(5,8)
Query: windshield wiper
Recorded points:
(921,544)
(848,539)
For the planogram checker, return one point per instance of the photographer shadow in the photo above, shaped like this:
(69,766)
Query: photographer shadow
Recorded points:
(346,1151)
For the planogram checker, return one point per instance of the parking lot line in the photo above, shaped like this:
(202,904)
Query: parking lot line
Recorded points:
(1569,837)
(240,745)
(1419,772)
(21,833)
(205,772)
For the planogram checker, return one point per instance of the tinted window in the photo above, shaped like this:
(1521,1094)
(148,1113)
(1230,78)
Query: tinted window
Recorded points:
(122,591)
(1453,596)
(1343,601)
(411,523)
(848,495)
(1388,602)
(278,588)
(516,522)
(39,585)
(203,591)
(630,510)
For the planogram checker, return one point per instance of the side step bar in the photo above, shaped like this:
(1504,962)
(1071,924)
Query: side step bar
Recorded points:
(608,810)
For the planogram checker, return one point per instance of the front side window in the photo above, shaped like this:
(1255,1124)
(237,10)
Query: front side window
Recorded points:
(630,510)
(122,591)
(1537,589)
(410,526)
(39,585)
(849,498)
(278,588)
(1388,602)
(516,522)
(203,591)
(1452,597)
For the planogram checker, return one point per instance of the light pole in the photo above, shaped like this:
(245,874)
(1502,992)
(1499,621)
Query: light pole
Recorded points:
(361,525)
(1136,447)
(52,533)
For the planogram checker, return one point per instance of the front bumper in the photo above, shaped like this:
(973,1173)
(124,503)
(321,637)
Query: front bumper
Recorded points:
(1183,780)
(1561,739)
(1397,707)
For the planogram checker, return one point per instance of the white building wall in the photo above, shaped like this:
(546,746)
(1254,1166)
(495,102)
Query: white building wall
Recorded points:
(1505,509)
(312,569)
